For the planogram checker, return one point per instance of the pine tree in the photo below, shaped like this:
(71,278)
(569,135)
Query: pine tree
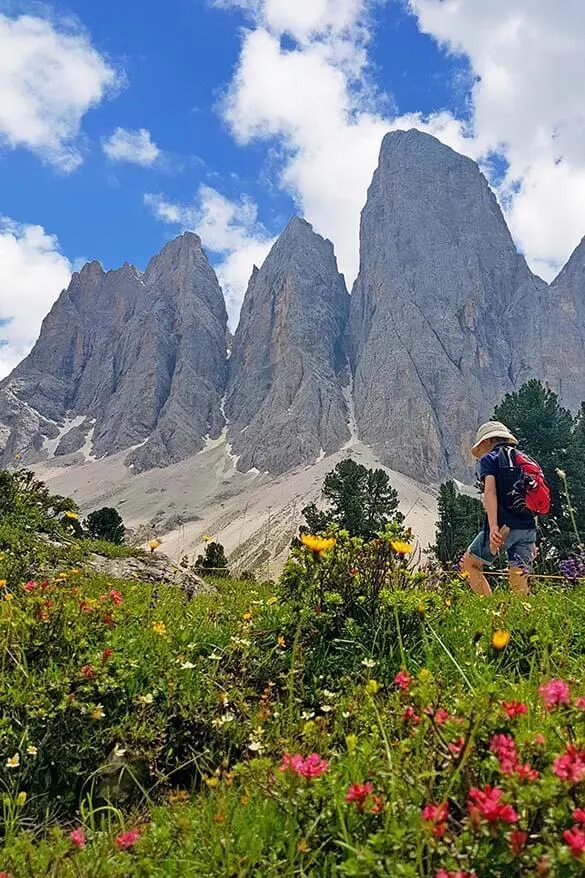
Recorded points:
(106,524)
(460,520)
(214,561)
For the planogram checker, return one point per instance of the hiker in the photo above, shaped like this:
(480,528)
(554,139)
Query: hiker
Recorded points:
(514,491)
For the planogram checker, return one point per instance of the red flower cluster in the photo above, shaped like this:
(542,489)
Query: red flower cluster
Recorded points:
(77,837)
(30,586)
(410,715)
(87,671)
(403,680)
(116,597)
(554,693)
(575,838)
(358,793)
(456,746)
(127,840)
(107,654)
(312,766)
(485,804)
(443,873)
(571,765)
(518,839)
(514,708)
(436,816)
(504,749)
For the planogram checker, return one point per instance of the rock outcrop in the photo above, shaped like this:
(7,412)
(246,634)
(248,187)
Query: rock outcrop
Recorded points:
(124,361)
(285,400)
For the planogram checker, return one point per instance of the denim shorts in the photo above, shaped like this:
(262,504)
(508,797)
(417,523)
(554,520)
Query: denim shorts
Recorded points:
(519,546)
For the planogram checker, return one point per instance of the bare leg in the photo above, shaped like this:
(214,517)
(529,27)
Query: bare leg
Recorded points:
(518,581)
(474,569)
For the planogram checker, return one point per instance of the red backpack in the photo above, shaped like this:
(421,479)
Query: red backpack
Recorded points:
(521,483)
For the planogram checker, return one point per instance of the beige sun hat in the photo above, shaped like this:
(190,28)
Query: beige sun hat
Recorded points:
(493,430)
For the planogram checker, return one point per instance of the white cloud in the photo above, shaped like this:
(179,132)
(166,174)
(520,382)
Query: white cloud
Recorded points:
(227,228)
(136,147)
(49,78)
(528,103)
(32,274)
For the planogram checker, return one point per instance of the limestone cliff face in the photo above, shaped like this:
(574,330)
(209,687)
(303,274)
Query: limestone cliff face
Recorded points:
(285,400)
(434,340)
(135,359)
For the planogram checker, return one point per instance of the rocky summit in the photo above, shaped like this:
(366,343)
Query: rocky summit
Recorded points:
(285,400)
(445,317)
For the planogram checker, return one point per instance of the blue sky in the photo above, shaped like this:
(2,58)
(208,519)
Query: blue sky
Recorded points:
(236,114)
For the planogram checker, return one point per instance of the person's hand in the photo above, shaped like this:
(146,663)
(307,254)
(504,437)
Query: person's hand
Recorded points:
(496,540)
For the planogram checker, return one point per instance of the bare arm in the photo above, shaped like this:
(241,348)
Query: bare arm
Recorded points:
(491,507)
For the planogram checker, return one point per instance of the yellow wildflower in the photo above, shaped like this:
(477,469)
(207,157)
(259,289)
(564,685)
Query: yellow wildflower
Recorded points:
(8,596)
(303,847)
(319,545)
(500,639)
(146,699)
(159,628)
(247,616)
(72,516)
(424,675)
(153,545)
(211,781)
(3,583)
(401,547)
(372,687)
(13,761)
(351,743)
(271,601)
(20,799)
(74,570)
(309,728)
(98,712)
(32,751)
(206,538)
(281,642)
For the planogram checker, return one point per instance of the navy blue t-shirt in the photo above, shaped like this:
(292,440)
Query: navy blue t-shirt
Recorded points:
(488,466)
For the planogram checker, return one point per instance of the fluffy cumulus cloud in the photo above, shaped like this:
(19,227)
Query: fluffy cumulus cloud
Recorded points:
(228,229)
(135,147)
(32,274)
(528,104)
(50,76)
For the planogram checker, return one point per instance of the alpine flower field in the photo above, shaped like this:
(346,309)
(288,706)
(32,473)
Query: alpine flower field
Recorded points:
(356,718)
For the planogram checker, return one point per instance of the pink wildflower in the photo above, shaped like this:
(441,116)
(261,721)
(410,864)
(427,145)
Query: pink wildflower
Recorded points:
(77,837)
(312,766)
(575,838)
(107,654)
(571,765)
(554,693)
(485,805)
(441,716)
(403,680)
(116,597)
(579,815)
(30,586)
(539,739)
(85,607)
(526,772)
(443,873)
(504,749)
(514,708)
(437,816)
(518,840)
(87,671)
(127,840)
(456,746)
(410,715)
(358,793)
(580,703)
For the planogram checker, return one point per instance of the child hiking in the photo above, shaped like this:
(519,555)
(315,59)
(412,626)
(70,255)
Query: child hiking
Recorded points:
(514,492)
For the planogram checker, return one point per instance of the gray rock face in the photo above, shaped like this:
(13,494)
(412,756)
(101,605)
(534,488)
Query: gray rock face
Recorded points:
(156,569)
(446,317)
(142,356)
(285,401)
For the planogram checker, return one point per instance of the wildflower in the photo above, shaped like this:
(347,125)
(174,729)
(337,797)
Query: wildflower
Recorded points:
(271,601)
(118,751)
(456,746)
(87,671)
(410,715)
(369,663)
(72,516)
(485,805)
(575,838)
(107,654)
(518,840)
(571,765)
(281,642)
(436,816)
(98,712)
(153,545)
(108,620)
(579,815)
(77,837)
(145,699)
(441,716)
(504,749)
(443,873)
(403,680)
(29,586)
(372,687)
(580,703)
(424,675)
(358,793)
(21,799)
(116,597)
(526,772)
(539,739)
(318,545)
(206,538)
(159,628)
(351,742)
(514,708)
(554,693)
(3,583)
(247,616)
(311,767)
(377,805)
(13,761)
(561,473)
(500,639)
(127,840)
(86,607)
(32,751)
(187,666)
(401,547)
